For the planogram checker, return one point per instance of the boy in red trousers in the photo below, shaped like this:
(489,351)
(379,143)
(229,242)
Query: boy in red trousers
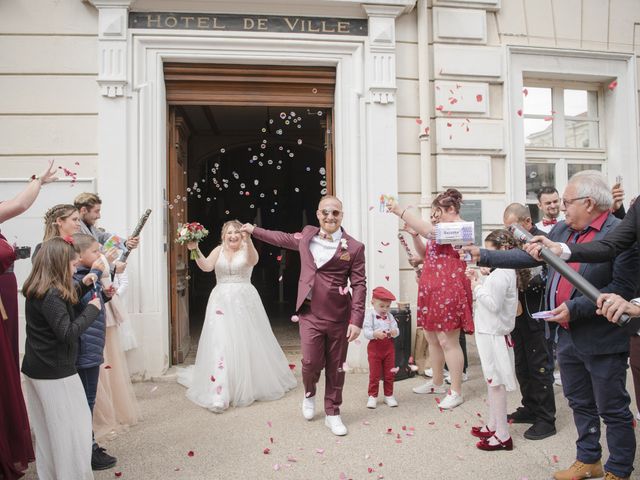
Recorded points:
(381,328)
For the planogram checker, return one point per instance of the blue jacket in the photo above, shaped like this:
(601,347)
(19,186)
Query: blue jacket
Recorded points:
(592,334)
(91,342)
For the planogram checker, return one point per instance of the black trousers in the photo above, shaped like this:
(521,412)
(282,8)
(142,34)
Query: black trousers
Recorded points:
(534,369)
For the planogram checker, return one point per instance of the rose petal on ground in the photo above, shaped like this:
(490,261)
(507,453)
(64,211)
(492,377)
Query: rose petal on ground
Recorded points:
(478,414)
(117,474)
(319,451)
(370,470)
(398,441)
(437,399)
(554,458)
(457,425)
(432,423)
(291,459)
(107,367)
(270,439)
(276,467)
(266,451)
(366,422)
(404,427)
(389,430)
(342,476)
(190,453)
(269,424)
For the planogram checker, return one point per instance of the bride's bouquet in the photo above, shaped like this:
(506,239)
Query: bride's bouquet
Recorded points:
(191,232)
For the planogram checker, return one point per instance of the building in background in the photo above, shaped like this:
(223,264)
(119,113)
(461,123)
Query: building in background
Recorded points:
(169,105)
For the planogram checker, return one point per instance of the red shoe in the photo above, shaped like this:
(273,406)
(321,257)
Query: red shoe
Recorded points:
(485,445)
(481,432)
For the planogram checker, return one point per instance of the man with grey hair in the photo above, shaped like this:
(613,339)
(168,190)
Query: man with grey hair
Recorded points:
(592,353)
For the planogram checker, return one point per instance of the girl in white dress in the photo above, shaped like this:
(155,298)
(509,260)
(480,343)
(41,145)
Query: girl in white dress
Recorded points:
(496,303)
(239,360)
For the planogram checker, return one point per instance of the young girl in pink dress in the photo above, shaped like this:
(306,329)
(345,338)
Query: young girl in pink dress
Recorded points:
(444,297)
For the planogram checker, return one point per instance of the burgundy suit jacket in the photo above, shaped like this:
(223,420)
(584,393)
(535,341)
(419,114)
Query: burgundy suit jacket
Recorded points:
(325,282)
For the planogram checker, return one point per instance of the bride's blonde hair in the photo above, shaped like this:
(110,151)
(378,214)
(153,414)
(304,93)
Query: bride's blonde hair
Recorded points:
(226,225)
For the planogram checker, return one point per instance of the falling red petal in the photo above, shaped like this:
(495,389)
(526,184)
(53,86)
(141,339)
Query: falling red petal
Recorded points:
(426,131)
(449,124)
(419,121)
(219,312)
(440,108)
(269,424)
(386,277)
(212,378)
(270,439)
(389,430)
(525,92)
(554,458)
(292,366)
(612,86)
(478,98)
(385,244)
(279,258)
(370,470)
(519,112)
(548,119)
(437,400)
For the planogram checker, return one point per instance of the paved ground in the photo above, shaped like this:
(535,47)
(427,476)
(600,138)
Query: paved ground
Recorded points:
(424,443)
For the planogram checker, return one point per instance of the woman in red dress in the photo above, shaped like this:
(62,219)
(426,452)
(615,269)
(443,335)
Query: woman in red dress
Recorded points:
(444,297)
(16,449)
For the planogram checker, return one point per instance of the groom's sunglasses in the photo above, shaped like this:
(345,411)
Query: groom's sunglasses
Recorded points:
(326,213)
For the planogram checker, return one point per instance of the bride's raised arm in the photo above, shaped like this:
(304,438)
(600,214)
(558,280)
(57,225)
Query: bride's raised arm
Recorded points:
(252,253)
(207,264)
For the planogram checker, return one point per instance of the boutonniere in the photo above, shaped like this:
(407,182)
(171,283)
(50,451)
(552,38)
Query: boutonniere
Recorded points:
(343,243)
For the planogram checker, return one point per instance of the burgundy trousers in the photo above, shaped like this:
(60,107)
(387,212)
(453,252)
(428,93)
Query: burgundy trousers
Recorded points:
(324,345)
(382,358)
(634,361)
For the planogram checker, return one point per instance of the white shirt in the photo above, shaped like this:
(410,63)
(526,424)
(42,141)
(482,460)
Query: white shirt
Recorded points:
(548,228)
(324,250)
(371,324)
(496,303)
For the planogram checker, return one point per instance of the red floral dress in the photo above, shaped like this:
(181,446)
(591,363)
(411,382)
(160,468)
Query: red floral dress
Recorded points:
(444,293)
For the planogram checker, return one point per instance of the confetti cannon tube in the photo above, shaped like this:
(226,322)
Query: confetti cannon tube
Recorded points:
(403,242)
(578,281)
(136,232)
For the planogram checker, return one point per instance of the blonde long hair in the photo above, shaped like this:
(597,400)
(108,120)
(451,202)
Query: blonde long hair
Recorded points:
(51,270)
(226,225)
(61,211)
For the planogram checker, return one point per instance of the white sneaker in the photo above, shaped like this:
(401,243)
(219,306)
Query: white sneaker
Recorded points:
(452,400)
(429,372)
(391,401)
(309,408)
(334,422)
(372,402)
(430,387)
(447,378)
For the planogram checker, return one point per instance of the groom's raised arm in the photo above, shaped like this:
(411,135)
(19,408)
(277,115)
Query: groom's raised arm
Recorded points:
(279,239)
(358,281)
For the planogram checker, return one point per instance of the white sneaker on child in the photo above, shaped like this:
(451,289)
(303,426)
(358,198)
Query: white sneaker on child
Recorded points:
(391,401)
(430,387)
(452,400)
(429,372)
(372,402)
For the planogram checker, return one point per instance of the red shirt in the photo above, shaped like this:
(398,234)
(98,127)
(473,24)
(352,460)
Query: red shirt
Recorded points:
(564,288)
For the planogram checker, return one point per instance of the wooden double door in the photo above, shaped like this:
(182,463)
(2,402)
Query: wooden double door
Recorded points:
(308,89)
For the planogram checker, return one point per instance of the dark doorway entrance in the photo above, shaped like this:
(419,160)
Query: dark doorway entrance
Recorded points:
(263,165)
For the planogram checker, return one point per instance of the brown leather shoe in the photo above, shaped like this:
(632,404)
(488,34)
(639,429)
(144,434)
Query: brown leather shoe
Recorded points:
(611,476)
(579,471)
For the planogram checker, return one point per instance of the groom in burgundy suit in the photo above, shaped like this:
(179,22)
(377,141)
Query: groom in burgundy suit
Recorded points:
(330,316)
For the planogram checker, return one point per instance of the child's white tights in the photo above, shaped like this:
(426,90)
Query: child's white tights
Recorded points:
(497,398)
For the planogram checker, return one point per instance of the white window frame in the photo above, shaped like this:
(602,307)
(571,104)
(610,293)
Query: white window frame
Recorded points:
(617,112)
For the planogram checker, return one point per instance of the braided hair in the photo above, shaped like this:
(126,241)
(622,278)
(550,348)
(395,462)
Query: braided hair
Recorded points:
(61,211)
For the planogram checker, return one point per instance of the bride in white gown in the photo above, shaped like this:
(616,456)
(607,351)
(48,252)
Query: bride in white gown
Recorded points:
(238,360)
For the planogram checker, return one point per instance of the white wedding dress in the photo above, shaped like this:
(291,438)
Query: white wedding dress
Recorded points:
(239,360)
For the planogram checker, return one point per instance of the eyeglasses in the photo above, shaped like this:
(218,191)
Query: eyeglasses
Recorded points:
(565,202)
(325,212)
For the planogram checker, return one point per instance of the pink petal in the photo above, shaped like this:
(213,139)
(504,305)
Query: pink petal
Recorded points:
(320,451)
(612,86)
(525,92)
(270,439)
(410,359)
(386,277)
(295,318)
(107,367)
(478,98)
(212,378)
(419,121)
(219,312)
(269,424)
(519,112)
(292,366)
(426,131)
(291,459)
(276,467)
(219,389)
(342,476)
(266,451)
(555,458)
